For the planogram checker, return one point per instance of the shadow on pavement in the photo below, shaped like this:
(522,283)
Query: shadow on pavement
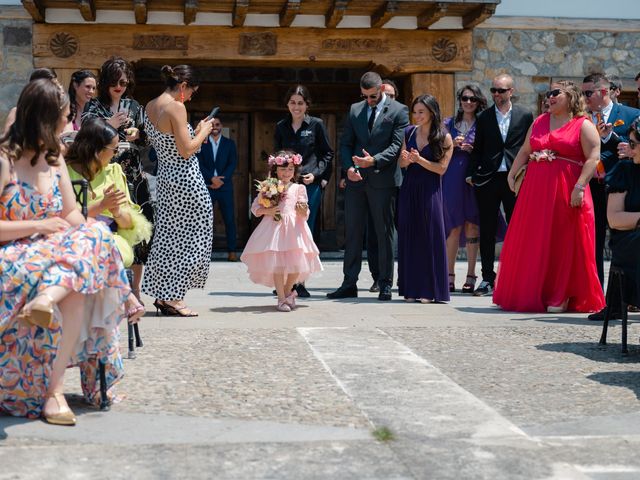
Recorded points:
(630,380)
(609,353)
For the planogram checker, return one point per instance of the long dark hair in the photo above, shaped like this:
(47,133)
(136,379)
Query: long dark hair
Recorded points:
(76,79)
(110,73)
(298,90)
(94,135)
(438,133)
(174,76)
(38,114)
(481,105)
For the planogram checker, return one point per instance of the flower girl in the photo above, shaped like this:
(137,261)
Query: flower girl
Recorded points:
(281,251)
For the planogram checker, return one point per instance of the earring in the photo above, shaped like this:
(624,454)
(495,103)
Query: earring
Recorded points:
(181,97)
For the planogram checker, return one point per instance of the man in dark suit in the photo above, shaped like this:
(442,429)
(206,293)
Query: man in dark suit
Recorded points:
(218,158)
(500,132)
(612,120)
(369,150)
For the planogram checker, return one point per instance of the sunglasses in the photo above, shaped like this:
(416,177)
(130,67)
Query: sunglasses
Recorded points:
(120,83)
(466,98)
(588,93)
(499,90)
(553,93)
(113,149)
(373,96)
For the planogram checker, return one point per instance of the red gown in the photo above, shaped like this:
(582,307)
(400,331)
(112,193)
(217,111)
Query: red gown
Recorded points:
(549,250)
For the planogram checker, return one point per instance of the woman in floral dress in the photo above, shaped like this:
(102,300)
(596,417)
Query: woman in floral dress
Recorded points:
(63,282)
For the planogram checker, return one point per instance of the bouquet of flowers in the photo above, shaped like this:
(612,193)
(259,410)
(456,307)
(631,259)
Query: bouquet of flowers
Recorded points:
(270,192)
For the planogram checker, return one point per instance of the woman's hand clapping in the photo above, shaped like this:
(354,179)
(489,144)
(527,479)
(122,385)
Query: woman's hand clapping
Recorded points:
(113,200)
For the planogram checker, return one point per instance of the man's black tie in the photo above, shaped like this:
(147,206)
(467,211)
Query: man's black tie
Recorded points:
(372,118)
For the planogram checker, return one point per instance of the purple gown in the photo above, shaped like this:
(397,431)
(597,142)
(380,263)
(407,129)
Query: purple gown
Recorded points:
(460,205)
(422,252)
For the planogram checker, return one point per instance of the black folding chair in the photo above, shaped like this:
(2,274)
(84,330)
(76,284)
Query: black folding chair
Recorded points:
(616,302)
(81,191)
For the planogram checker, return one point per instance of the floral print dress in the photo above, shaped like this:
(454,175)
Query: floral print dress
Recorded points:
(84,259)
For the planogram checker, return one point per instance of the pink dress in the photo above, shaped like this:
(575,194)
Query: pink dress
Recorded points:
(548,253)
(285,246)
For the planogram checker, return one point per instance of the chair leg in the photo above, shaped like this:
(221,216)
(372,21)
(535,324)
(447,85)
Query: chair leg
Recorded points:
(136,330)
(607,312)
(131,353)
(104,401)
(623,308)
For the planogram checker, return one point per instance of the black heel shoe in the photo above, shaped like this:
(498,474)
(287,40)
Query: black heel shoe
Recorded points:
(452,282)
(469,286)
(162,308)
(173,311)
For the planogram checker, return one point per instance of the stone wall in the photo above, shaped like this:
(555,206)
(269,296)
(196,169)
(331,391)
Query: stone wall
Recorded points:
(16,57)
(534,57)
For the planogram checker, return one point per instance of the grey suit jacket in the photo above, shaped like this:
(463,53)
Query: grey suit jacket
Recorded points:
(383,143)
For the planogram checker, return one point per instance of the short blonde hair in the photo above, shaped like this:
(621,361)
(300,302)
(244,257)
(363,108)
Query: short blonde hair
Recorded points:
(575,100)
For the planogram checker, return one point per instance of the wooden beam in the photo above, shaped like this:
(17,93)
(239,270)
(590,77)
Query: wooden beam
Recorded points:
(140,10)
(384,14)
(289,12)
(335,13)
(432,14)
(478,15)
(87,10)
(240,10)
(190,11)
(35,9)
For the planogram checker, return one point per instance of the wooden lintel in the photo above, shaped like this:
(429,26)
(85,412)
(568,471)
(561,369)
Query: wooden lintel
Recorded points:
(478,15)
(335,13)
(240,10)
(384,14)
(289,12)
(397,51)
(35,9)
(140,10)
(432,14)
(190,11)
(87,10)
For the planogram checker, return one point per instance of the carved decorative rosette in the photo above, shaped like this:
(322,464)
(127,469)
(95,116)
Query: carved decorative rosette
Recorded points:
(63,44)
(444,50)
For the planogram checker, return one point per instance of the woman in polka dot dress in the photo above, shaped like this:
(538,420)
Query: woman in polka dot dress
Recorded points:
(181,248)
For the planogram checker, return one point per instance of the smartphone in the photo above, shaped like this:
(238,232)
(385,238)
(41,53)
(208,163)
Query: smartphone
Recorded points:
(214,112)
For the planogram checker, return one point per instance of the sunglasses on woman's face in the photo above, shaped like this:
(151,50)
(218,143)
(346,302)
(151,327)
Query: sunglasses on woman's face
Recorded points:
(553,93)
(466,98)
(121,83)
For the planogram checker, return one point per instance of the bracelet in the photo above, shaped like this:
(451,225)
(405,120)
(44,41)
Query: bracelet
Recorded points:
(580,187)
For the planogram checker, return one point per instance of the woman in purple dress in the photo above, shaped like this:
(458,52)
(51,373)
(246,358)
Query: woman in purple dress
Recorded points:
(422,255)
(461,217)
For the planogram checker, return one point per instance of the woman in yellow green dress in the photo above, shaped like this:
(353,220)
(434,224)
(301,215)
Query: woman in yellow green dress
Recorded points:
(89,157)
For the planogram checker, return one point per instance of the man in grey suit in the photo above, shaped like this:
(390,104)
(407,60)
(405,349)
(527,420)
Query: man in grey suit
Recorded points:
(369,150)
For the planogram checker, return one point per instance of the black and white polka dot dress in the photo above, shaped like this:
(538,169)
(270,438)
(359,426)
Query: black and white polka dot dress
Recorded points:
(183,237)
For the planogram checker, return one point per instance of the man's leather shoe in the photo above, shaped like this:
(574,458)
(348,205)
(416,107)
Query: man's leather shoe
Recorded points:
(599,316)
(344,292)
(301,290)
(232,257)
(374,287)
(385,293)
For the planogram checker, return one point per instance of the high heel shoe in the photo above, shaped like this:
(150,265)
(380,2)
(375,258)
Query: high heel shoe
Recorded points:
(39,314)
(468,286)
(452,283)
(174,310)
(558,308)
(63,417)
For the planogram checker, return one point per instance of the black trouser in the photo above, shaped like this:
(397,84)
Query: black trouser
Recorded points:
(360,202)
(489,197)
(372,249)
(599,195)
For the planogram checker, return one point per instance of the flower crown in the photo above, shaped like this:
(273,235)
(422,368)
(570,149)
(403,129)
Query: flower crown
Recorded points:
(284,159)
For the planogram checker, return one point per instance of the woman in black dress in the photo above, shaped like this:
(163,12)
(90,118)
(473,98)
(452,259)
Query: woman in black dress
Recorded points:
(307,136)
(115,105)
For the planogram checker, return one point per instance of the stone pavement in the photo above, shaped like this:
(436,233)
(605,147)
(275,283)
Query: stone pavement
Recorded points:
(241,392)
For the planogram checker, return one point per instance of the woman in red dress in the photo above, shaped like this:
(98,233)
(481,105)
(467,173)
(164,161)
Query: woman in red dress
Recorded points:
(548,258)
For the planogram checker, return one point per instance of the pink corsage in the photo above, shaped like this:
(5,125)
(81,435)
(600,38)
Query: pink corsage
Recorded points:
(285,159)
(545,154)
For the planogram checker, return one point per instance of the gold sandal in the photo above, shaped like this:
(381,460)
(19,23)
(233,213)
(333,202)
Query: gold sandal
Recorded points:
(63,417)
(40,314)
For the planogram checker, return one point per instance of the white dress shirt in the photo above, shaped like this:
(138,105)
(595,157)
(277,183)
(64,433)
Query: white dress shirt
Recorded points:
(214,146)
(503,124)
